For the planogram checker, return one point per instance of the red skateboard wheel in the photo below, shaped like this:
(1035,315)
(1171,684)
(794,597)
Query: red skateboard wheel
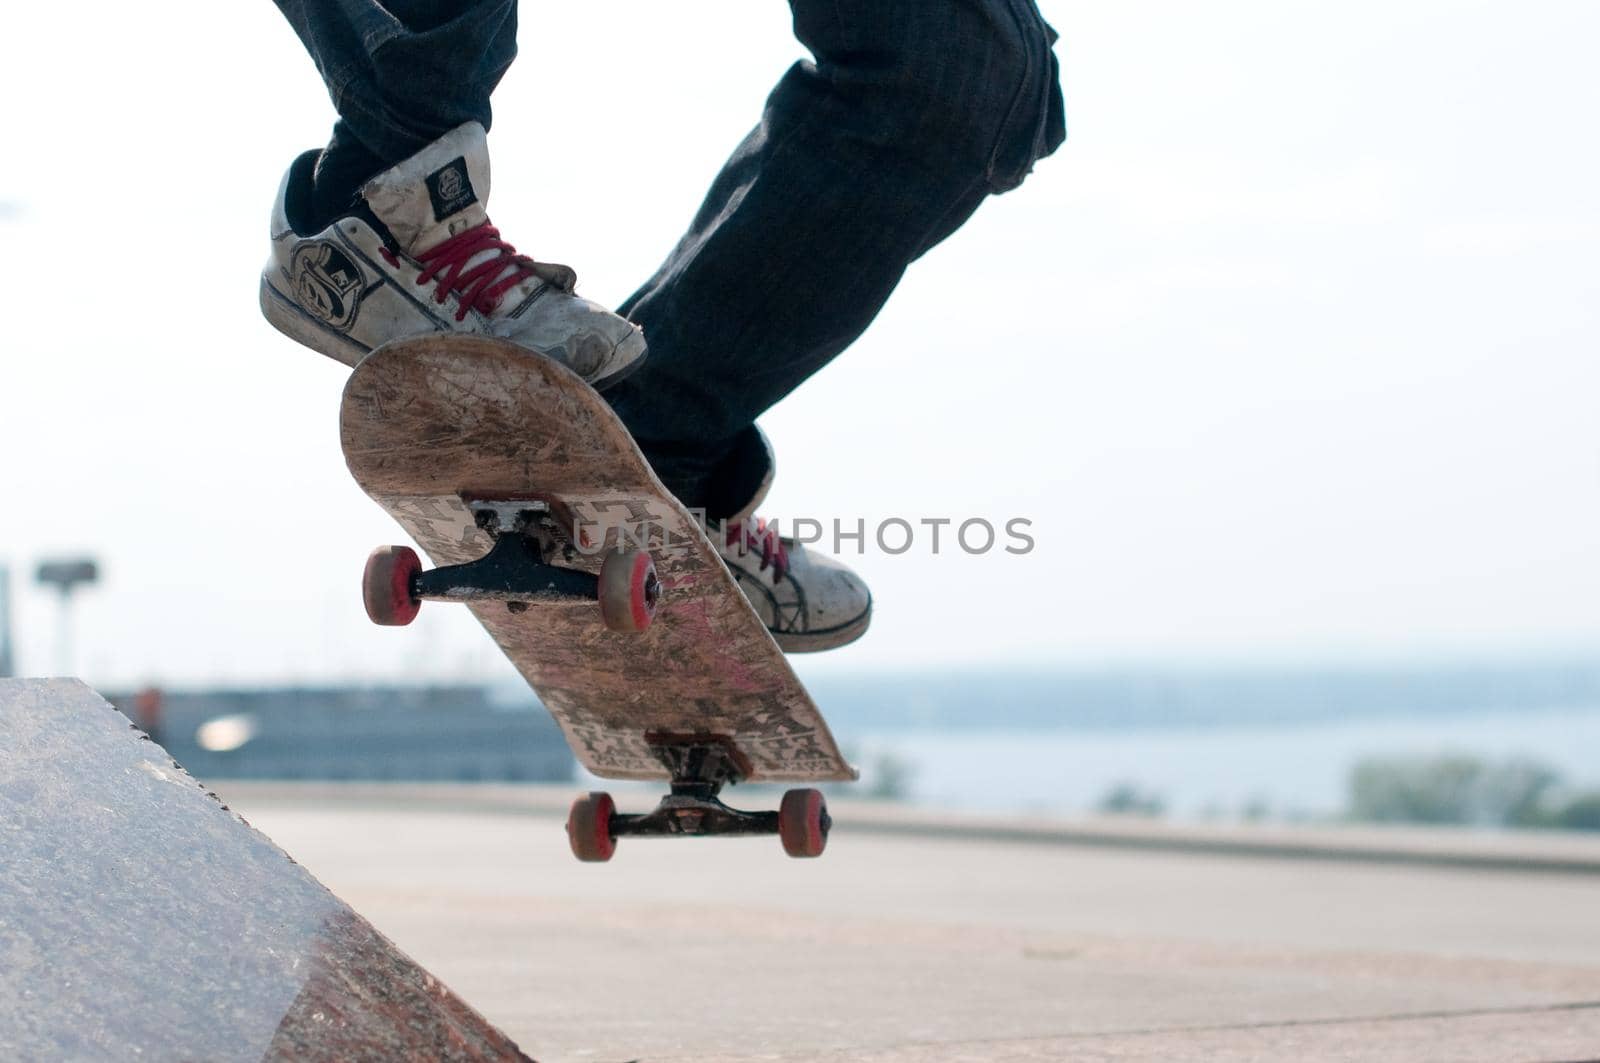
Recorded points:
(629,590)
(589,828)
(803,823)
(386,585)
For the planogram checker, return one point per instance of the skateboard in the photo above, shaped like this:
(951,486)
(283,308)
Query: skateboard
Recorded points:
(541,515)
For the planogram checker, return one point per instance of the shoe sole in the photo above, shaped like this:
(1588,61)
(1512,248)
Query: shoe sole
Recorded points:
(282,314)
(293,322)
(629,368)
(830,639)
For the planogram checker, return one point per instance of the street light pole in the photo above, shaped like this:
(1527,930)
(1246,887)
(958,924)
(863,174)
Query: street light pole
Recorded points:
(66,577)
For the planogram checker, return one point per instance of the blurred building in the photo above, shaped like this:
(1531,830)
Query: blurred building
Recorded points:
(455,733)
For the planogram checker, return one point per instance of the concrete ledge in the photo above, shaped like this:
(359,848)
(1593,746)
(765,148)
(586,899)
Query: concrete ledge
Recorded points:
(139,919)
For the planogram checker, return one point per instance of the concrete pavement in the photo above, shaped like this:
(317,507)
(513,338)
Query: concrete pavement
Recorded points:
(902,943)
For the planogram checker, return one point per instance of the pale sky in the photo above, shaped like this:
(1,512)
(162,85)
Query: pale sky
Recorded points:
(1289,353)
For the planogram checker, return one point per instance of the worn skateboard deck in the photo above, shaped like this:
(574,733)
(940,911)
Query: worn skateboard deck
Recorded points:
(431,423)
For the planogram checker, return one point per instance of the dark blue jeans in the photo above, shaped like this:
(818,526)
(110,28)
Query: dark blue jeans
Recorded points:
(913,112)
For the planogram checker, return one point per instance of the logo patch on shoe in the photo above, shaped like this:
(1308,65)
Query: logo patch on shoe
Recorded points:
(326,282)
(451,189)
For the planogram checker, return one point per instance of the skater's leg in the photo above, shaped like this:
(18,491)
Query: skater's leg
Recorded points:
(911,114)
(401,74)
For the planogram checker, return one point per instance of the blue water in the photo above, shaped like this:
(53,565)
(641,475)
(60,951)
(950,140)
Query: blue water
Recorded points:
(1297,769)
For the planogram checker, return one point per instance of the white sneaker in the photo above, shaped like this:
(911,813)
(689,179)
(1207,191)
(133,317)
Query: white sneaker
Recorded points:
(418,255)
(808,601)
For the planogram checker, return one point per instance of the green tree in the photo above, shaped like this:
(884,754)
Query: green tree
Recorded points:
(1130,799)
(1451,789)
(1581,813)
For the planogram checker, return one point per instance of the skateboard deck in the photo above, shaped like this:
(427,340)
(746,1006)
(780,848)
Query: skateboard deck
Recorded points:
(439,429)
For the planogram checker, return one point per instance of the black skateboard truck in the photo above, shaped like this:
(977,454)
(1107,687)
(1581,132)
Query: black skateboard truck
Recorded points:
(518,569)
(701,765)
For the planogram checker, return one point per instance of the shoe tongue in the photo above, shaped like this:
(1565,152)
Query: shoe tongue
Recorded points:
(438,192)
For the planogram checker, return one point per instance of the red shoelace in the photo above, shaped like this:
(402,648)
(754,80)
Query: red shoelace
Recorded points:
(481,286)
(754,534)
